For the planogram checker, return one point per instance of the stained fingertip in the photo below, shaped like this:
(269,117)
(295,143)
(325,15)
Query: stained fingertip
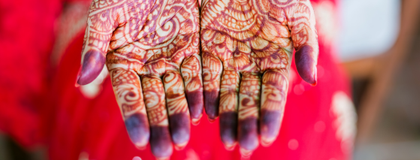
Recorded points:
(92,65)
(211,104)
(160,142)
(306,64)
(248,133)
(228,128)
(180,129)
(138,129)
(270,123)
(195,103)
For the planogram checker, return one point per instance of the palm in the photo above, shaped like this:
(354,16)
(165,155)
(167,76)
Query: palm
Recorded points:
(151,51)
(247,51)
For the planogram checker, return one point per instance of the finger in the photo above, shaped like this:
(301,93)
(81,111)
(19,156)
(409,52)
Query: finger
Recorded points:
(154,95)
(100,25)
(228,107)
(249,103)
(179,117)
(191,73)
(273,98)
(305,41)
(212,69)
(128,93)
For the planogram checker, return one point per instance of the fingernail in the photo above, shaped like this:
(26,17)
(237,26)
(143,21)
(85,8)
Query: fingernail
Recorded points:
(245,154)
(315,76)
(230,147)
(196,121)
(93,63)
(180,147)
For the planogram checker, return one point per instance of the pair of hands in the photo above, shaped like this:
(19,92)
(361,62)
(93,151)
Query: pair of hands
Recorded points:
(162,79)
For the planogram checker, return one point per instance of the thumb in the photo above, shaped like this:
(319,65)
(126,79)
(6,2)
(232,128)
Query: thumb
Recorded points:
(305,40)
(100,25)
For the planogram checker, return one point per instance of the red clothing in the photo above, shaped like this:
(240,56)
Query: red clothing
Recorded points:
(26,39)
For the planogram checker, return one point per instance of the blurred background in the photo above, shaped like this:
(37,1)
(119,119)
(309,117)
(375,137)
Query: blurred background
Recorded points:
(379,46)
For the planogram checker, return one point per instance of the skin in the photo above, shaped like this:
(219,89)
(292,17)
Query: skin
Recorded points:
(247,48)
(151,51)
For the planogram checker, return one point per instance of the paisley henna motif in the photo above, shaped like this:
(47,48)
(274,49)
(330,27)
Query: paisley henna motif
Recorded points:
(247,50)
(151,50)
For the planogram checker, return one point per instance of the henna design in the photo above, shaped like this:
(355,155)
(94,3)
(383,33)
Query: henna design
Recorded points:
(250,39)
(191,73)
(129,96)
(157,41)
(248,110)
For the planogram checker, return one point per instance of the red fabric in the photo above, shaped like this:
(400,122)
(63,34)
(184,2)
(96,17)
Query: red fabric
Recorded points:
(26,39)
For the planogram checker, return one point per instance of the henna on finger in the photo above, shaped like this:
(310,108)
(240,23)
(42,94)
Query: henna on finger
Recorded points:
(129,96)
(249,104)
(305,41)
(154,96)
(191,73)
(212,71)
(179,117)
(101,23)
(273,98)
(228,106)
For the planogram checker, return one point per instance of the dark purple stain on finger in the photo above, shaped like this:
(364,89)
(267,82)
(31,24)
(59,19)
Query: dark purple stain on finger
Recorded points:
(211,104)
(180,128)
(92,65)
(270,122)
(160,141)
(138,129)
(306,64)
(248,133)
(195,103)
(228,127)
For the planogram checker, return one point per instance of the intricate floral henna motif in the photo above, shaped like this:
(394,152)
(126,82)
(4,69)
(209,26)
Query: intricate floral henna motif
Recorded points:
(247,44)
(151,50)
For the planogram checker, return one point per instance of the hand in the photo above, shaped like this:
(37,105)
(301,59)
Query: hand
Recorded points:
(247,48)
(151,51)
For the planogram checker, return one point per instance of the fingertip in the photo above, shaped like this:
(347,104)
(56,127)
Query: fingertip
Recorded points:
(211,104)
(138,129)
(228,128)
(160,142)
(269,126)
(306,64)
(92,65)
(248,133)
(180,129)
